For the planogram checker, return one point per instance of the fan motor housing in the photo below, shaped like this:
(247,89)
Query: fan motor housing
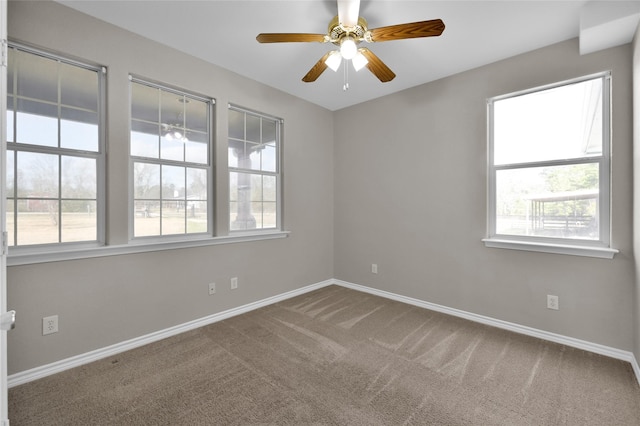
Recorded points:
(337,32)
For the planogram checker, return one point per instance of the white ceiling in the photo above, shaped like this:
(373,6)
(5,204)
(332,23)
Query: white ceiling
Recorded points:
(223,33)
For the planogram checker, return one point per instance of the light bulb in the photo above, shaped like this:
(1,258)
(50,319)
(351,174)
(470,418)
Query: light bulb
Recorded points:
(177,135)
(348,48)
(334,60)
(359,61)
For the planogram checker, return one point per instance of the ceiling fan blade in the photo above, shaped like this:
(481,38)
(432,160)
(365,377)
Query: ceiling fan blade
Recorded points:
(316,70)
(289,37)
(348,11)
(377,67)
(431,28)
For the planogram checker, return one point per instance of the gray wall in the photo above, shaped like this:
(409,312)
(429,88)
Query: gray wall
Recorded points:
(410,195)
(104,301)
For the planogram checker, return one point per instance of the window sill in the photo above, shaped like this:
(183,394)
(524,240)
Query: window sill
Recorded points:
(135,247)
(574,250)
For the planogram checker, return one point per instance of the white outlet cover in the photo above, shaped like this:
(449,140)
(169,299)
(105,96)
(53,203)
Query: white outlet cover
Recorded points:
(49,325)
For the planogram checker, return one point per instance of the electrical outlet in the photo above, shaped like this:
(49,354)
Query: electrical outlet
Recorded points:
(49,325)
(212,288)
(234,283)
(553,302)
(374,268)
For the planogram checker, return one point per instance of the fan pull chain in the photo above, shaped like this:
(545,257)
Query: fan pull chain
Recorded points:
(345,86)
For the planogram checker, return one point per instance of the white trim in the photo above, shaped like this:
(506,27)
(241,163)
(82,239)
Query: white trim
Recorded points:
(136,246)
(575,250)
(636,367)
(76,361)
(505,325)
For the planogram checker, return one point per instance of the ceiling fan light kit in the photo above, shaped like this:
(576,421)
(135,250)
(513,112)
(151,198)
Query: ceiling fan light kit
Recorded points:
(346,31)
(334,60)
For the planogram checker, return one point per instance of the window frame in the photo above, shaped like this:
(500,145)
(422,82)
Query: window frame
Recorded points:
(581,247)
(277,173)
(36,250)
(209,167)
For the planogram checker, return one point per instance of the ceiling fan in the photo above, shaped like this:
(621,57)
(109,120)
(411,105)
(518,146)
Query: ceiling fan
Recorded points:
(347,31)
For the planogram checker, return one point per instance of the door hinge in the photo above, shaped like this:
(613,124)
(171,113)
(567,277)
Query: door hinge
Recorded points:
(5,242)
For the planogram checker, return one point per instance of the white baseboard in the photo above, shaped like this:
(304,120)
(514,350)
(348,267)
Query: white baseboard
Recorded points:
(517,328)
(636,367)
(78,360)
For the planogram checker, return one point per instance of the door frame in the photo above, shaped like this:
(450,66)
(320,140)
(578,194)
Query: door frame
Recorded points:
(4,393)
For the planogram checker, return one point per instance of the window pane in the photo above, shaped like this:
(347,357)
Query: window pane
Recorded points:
(269,158)
(256,213)
(248,193)
(256,187)
(196,184)
(269,188)
(79,130)
(146,222)
(11,56)
(236,124)
(79,221)
(10,170)
(173,217)
(10,117)
(172,109)
(79,87)
(37,77)
(253,151)
(37,175)
(253,128)
(560,123)
(79,178)
(560,201)
(144,139)
(242,216)
(146,178)
(10,222)
(37,123)
(196,148)
(233,186)
(268,131)
(196,216)
(172,148)
(37,221)
(145,102)
(236,149)
(269,215)
(173,182)
(196,115)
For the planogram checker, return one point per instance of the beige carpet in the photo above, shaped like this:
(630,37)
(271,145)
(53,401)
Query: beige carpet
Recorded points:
(338,357)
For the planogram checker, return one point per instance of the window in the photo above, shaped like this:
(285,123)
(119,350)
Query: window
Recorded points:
(549,164)
(54,150)
(170,160)
(254,170)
